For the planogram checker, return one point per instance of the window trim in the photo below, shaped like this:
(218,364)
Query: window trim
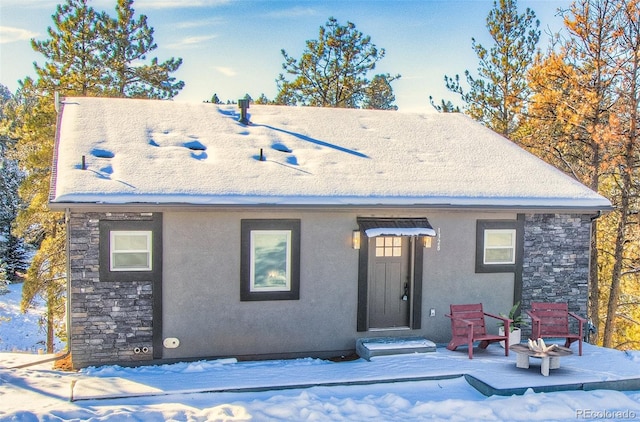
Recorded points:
(153,225)
(481,227)
(113,251)
(248,289)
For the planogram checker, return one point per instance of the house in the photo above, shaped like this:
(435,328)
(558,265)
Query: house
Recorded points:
(299,230)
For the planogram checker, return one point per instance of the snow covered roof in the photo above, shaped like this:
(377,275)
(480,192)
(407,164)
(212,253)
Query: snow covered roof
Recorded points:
(170,152)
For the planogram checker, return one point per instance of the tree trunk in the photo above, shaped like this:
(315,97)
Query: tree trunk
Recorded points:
(594,286)
(628,172)
(50,320)
(594,273)
(614,293)
(51,300)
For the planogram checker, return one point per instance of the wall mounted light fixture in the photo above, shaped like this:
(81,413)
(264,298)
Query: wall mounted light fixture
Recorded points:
(355,238)
(427,241)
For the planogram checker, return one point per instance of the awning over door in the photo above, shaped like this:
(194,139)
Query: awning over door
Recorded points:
(395,226)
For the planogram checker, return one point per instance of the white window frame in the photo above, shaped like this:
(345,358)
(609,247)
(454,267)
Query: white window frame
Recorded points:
(512,246)
(112,252)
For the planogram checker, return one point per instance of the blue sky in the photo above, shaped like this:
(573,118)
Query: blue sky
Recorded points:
(232,47)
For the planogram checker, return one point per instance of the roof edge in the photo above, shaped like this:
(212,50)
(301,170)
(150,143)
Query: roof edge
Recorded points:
(61,206)
(53,177)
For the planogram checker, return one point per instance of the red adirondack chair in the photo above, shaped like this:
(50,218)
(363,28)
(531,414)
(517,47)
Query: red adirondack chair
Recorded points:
(551,320)
(468,325)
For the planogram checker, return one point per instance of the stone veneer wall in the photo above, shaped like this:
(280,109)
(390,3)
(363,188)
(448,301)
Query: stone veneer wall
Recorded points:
(110,321)
(556,261)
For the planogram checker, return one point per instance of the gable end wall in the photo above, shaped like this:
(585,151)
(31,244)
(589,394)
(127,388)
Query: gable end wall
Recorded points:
(556,261)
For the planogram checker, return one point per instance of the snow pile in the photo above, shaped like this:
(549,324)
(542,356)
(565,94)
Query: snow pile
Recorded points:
(41,394)
(38,393)
(21,332)
(634,355)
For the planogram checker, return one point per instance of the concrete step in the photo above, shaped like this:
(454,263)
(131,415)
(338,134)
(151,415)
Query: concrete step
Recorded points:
(367,348)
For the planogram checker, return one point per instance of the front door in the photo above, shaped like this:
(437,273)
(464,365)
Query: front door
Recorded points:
(389,282)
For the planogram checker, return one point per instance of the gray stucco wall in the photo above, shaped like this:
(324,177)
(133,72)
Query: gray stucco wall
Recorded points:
(450,276)
(201,304)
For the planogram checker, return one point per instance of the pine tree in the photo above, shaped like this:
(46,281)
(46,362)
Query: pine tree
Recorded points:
(497,97)
(578,121)
(88,54)
(4,281)
(72,50)
(5,97)
(12,249)
(332,71)
(379,94)
(262,99)
(35,131)
(127,42)
(444,106)
(16,258)
(623,154)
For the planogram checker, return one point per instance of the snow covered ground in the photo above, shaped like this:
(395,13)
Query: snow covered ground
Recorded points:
(39,393)
(21,332)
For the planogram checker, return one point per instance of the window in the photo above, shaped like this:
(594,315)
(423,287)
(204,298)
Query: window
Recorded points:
(130,251)
(498,245)
(270,267)
(388,246)
(270,260)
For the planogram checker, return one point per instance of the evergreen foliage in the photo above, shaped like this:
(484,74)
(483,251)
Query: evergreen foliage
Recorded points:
(576,107)
(72,51)
(4,281)
(332,71)
(125,44)
(92,54)
(13,254)
(379,94)
(444,106)
(262,99)
(16,258)
(583,118)
(498,96)
(35,119)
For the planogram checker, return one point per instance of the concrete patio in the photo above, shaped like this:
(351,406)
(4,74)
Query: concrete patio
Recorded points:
(490,372)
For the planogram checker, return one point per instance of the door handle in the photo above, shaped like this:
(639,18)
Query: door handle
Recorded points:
(405,296)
